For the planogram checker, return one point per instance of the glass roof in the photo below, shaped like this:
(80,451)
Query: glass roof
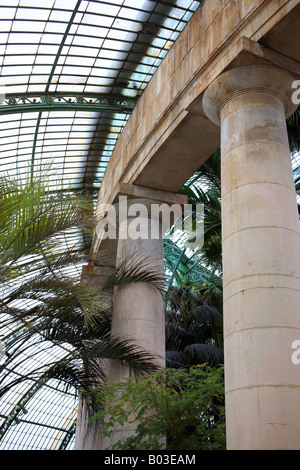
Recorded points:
(296,171)
(71,72)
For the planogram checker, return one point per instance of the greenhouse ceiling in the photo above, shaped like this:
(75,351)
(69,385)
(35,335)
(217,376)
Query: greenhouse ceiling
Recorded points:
(71,72)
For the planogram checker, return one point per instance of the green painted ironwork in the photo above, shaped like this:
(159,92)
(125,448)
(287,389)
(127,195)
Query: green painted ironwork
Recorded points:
(68,436)
(183,267)
(34,145)
(62,102)
(76,8)
(19,408)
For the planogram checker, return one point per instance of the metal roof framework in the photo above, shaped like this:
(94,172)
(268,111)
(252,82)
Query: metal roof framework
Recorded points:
(71,72)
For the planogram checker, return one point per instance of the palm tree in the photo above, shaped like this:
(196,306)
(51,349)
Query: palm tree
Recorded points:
(33,224)
(43,302)
(194,324)
(194,330)
(293,128)
(205,188)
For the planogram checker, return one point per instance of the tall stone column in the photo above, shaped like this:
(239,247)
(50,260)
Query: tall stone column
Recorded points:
(261,256)
(138,306)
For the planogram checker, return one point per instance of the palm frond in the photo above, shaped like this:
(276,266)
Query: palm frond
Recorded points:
(204,354)
(209,321)
(139,267)
(209,174)
(176,359)
(195,354)
(30,216)
(293,128)
(177,337)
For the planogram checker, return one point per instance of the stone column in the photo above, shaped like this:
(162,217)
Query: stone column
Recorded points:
(138,306)
(261,248)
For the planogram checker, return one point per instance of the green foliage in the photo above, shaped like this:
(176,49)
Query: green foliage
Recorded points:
(31,218)
(205,188)
(174,409)
(293,128)
(58,318)
(194,330)
(43,301)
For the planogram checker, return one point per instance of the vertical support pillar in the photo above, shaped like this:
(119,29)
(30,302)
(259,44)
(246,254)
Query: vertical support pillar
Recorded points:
(261,254)
(138,306)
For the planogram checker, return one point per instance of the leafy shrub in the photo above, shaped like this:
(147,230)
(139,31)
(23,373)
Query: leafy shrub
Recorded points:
(174,409)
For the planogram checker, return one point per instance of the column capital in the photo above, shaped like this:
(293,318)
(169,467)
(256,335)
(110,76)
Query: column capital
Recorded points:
(252,78)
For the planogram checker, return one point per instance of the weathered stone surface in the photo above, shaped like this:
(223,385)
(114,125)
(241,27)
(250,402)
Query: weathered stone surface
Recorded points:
(261,252)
